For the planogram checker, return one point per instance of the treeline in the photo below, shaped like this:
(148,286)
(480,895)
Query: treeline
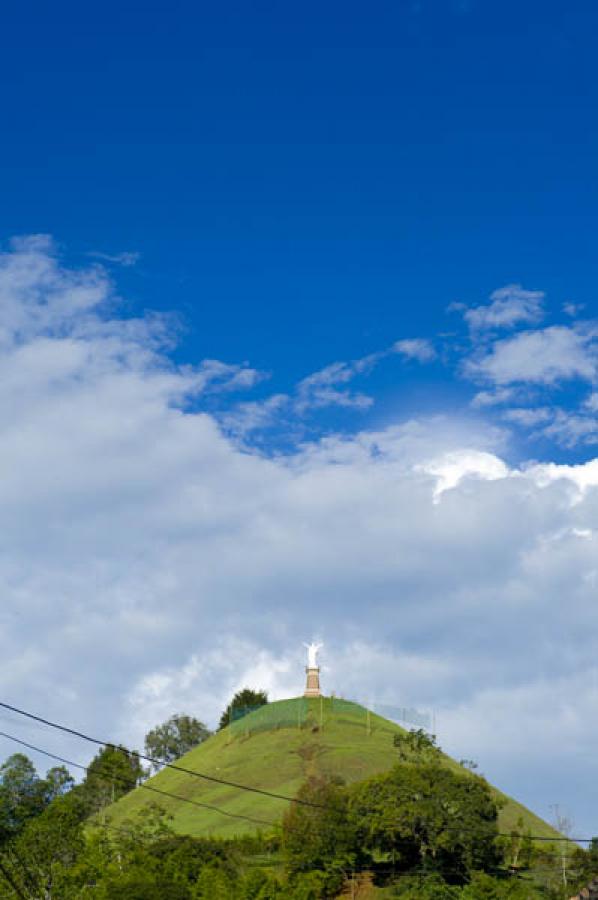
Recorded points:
(421,831)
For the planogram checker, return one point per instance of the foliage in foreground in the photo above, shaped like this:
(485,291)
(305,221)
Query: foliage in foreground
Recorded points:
(481,887)
(56,859)
(418,832)
(411,816)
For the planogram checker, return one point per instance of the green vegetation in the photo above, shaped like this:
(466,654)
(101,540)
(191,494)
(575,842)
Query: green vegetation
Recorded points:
(427,815)
(24,795)
(112,774)
(278,748)
(175,737)
(243,703)
(416,825)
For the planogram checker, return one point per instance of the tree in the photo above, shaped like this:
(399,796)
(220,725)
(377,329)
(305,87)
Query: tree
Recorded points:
(243,702)
(484,887)
(481,887)
(214,884)
(260,885)
(429,887)
(111,774)
(48,846)
(318,833)
(58,782)
(582,866)
(174,738)
(416,746)
(139,886)
(426,815)
(23,794)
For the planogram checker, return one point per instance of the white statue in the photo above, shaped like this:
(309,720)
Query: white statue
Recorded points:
(312,655)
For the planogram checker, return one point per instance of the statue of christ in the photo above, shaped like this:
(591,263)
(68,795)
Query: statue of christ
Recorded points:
(312,654)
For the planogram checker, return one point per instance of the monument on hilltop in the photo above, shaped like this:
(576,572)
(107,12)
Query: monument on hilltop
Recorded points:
(312,687)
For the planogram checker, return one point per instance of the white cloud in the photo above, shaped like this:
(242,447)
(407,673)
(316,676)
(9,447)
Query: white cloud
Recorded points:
(495,397)
(321,388)
(252,415)
(547,356)
(214,375)
(509,306)
(450,469)
(415,348)
(591,402)
(573,309)
(570,429)
(235,663)
(148,564)
(215,674)
(582,477)
(126,258)
(528,417)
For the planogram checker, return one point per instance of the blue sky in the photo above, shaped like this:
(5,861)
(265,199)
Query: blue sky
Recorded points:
(305,185)
(301,342)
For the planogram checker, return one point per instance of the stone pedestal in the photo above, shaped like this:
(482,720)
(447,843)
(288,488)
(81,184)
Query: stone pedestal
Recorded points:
(312,688)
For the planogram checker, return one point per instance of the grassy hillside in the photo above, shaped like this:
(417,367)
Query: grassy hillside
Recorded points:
(276,748)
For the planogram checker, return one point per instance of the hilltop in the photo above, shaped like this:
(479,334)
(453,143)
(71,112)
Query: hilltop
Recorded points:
(276,748)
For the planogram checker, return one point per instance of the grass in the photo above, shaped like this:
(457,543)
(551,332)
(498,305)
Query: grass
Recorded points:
(276,748)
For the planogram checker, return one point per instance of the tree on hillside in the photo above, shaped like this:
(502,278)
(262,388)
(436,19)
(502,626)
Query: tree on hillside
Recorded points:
(174,738)
(111,774)
(242,703)
(416,746)
(428,815)
(318,832)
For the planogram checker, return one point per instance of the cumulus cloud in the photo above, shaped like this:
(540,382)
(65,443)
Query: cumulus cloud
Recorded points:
(251,415)
(570,429)
(451,468)
(546,356)
(528,417)
(509,306)
(591,402)
(416,348)
(149,564)
(525,373)
(495,397)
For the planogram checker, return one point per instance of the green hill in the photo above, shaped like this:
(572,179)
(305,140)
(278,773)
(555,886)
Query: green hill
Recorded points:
(276,748)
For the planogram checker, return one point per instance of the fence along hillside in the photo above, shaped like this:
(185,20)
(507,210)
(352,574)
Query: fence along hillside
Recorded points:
(304,714)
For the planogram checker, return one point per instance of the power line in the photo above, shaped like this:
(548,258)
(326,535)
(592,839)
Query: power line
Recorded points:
(414,873)
(243,787)
(114,776)
(158,762)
